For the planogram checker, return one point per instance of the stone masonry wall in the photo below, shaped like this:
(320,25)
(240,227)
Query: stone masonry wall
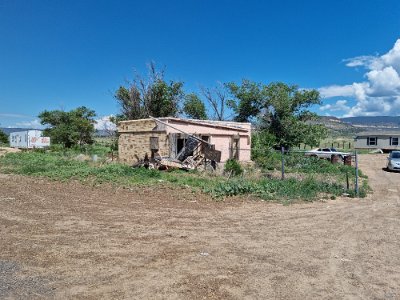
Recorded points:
(137,125)
(134,146)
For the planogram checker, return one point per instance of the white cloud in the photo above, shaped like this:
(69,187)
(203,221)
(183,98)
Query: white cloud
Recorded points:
(104,123)
(340,105)
(385,82)
(337,90)
(35,124)
(379,94)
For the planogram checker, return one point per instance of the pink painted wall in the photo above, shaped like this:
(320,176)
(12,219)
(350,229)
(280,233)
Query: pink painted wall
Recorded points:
(223,144)
(219,136)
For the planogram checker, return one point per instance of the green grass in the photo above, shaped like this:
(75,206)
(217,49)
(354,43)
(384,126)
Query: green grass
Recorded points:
(274,189)
(299,163)
(62,165)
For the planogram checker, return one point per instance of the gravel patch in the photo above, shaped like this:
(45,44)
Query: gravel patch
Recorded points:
(13,284)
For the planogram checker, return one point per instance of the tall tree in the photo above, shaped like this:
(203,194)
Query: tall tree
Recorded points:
(194,108)
(151,96)
(283,111)
(217,99)
(75,127)
(287,112)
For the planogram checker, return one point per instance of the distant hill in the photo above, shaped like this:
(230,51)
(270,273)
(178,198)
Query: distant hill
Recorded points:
(337,127)
(353,125)
(10,130)
(373,122)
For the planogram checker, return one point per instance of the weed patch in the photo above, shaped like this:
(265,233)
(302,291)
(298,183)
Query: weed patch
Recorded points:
(62,166)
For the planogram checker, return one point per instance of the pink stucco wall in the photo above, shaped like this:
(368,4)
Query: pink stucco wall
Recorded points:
(223,144)
(220,136)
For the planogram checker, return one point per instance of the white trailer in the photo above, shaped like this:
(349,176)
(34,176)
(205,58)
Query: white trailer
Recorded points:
(29,139)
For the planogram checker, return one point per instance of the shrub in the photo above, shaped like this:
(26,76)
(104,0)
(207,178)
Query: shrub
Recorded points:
(233,167)
(274,189)
(3,137)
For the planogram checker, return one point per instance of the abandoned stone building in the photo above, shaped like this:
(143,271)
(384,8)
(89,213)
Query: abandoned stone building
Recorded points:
(166,137)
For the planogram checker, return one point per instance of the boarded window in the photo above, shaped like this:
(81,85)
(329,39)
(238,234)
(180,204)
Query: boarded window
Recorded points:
(154,143)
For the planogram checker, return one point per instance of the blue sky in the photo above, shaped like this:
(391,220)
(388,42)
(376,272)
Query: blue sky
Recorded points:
(64,54)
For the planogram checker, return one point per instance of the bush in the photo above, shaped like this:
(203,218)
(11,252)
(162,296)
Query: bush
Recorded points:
(275,189)
(3,137)
(233,167)
(269,160)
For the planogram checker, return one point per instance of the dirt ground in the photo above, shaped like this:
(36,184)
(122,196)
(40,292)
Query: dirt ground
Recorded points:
(5,150)
(66,240)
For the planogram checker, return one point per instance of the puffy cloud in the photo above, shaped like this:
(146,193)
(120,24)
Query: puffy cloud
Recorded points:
(337,90)
(104,123)
(379,94)
(385,82)
(340,105)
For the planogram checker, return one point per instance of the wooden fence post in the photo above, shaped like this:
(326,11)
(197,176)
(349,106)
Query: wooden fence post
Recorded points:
(283,162)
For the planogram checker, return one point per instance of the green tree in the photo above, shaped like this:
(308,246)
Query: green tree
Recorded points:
(194,108)
(249,98)
(3,137)
(282,111)
(151,96)
(75,127)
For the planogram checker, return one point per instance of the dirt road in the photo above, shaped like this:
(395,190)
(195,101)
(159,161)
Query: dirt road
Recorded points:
(65,240)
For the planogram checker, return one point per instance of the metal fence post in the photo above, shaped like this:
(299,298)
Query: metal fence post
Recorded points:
(356,158)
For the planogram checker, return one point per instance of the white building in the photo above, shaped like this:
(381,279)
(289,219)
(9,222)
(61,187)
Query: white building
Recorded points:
(385,140)
(29,139)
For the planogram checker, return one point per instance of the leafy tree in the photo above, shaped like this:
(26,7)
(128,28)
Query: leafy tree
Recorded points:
(281,109)
(261,142)
(75,127)
(149,97)
(249,98)
(3,137)
(194,108)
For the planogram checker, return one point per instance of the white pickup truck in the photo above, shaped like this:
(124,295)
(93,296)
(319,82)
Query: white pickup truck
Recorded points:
(325,153)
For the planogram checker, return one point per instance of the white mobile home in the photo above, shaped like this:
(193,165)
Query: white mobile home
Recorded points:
(29,139)
(385,140)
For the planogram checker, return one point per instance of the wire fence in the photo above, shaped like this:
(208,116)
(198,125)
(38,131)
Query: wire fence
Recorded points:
(296,158)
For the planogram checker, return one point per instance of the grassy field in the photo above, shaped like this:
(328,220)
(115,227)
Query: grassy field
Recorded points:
(306,178)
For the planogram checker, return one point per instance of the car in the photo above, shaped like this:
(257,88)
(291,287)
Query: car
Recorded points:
(325,153)
(394,161)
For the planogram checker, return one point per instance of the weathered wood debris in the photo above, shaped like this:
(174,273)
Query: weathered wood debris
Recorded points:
(196,153)
(167,163)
